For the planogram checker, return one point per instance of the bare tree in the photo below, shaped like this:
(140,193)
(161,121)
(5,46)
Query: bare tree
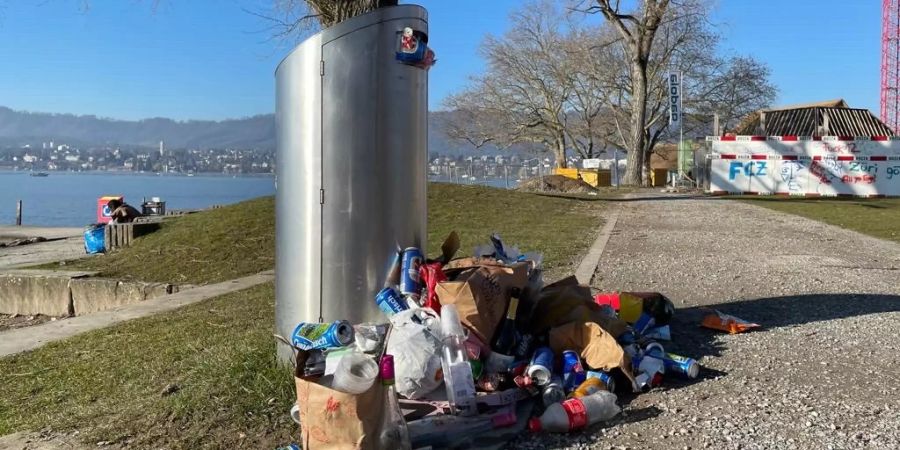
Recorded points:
(293,19)
(638,31)
(523,96)
(568,85)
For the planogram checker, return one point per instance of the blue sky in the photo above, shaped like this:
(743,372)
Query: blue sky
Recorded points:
(209,59)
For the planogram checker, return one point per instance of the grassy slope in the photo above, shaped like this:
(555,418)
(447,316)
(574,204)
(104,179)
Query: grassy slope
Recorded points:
(239,240)
(879,217)
(206,247)
(107,383)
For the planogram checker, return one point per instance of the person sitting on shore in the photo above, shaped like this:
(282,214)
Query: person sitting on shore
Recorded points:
(122,212)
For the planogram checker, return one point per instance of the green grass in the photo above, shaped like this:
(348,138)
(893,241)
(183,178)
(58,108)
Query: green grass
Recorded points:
(107,384)
(559,228)
(239,240)
(879,217)
(207,247)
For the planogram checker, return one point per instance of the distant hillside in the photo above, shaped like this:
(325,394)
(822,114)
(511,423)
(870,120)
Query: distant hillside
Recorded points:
(257,132)
(251,132)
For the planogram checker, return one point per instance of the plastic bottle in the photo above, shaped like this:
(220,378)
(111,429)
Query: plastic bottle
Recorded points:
(457,371)
(355,373)
(576,413)
(394,433)
(446,431)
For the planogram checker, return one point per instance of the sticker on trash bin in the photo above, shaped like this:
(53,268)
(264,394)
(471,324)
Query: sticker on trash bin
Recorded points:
(412,49)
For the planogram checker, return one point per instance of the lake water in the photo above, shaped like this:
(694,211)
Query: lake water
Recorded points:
(67,199)
(70,199)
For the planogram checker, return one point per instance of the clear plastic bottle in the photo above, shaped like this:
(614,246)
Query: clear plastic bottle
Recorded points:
(576,413)
(457,371)
(394,433)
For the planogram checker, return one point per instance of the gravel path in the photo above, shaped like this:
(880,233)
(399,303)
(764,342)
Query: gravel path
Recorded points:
(823,373)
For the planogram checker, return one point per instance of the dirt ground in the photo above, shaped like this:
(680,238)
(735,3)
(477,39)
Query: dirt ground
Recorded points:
(822,373)
(9,322)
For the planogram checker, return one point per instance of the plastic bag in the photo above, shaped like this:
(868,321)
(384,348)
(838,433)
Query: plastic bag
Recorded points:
(94,239)
(724,322)
(416,347)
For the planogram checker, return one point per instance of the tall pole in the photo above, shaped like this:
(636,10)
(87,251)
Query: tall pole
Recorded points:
(506,174)
(541,173)
(616,165)
(681,125)
(19,213)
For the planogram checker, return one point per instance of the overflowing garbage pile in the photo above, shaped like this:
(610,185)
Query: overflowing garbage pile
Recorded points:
(476,347)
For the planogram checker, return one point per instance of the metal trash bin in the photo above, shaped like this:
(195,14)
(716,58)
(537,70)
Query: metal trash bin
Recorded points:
(351,176)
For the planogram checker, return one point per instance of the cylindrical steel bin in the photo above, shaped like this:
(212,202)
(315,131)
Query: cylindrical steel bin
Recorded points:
(351,167)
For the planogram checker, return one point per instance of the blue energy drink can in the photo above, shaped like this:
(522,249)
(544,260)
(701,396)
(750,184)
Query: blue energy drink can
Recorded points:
(573,372)
(604,377)
(541,367)
(410,281)
(318,336)
(390,302)
(681,365)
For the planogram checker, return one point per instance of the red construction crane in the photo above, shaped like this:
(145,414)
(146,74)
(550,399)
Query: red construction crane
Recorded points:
(890,63)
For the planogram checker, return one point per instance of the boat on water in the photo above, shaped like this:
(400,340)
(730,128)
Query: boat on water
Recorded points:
(40,174)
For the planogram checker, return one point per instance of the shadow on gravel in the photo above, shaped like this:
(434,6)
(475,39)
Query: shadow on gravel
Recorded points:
(771,312)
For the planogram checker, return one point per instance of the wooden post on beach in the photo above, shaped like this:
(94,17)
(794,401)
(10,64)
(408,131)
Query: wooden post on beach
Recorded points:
(19,213)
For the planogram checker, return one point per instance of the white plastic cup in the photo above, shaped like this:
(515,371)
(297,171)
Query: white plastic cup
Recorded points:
(295,413)
(355,373)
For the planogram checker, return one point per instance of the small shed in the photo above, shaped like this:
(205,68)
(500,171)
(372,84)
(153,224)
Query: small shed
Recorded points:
(828,118)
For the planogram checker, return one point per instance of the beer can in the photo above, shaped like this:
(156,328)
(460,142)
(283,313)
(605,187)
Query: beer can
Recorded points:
(681,365)
(604,377)
(390,302)
(552,392)
(410,281)
(317,336)
(573,372)
(539,368)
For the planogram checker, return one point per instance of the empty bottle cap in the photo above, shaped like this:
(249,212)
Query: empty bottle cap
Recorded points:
(387,369)
(534,425)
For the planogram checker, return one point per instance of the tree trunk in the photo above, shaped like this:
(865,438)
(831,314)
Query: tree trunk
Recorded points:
(635,161)
(560,152)
(647,168)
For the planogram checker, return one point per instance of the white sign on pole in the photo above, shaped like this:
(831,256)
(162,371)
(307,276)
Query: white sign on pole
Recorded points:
(674,98)
(593,163)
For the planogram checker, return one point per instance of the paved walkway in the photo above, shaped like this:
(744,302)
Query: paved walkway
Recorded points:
(64,244)
(30,338)
(822,371)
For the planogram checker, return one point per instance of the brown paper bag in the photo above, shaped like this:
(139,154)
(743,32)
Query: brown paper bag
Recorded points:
(566,301)
(333,420)
(481,294)
(597,348)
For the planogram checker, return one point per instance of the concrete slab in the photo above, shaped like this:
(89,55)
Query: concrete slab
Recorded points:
(35,294)
(90,295)
(585,270)
(41,253)
(51,273)
(12,232)
(26,339)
